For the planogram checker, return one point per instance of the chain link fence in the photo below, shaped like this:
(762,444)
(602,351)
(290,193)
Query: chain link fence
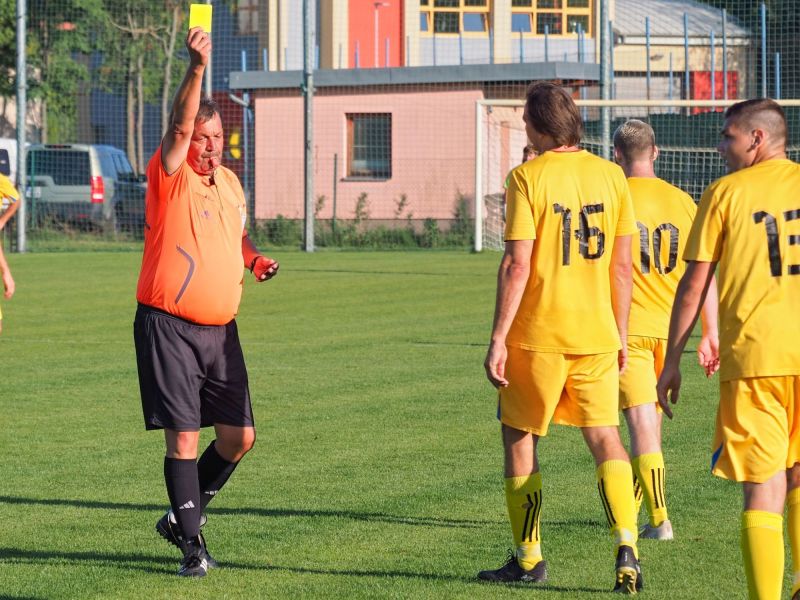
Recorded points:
(396,85)
(687,133)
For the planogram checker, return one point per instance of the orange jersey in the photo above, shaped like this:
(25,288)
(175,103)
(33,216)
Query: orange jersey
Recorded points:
(574,205)
(664,215)
(192,264)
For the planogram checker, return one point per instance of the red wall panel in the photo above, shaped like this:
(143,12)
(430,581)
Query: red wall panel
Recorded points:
(700,85)
(361,30)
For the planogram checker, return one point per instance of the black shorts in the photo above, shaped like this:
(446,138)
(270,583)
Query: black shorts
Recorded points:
(190,375)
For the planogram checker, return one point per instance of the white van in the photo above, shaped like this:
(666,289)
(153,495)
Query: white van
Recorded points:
(8,158)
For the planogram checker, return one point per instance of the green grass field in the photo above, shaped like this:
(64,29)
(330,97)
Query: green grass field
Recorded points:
(377,472)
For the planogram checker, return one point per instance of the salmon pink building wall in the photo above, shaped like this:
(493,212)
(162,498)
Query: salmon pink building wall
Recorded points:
(433,153)
(361,32)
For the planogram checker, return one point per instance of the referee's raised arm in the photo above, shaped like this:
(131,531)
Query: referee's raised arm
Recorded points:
(176,140)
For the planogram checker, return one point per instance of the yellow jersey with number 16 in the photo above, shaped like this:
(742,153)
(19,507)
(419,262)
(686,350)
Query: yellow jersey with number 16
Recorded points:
(749,222)
(574,205)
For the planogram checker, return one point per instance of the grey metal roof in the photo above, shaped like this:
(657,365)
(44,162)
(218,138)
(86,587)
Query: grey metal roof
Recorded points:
(666,19)
(569,71)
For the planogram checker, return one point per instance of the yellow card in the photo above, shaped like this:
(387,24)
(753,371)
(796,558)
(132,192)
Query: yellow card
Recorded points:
(200,16)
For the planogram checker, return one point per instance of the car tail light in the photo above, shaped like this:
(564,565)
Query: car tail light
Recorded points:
(98,189)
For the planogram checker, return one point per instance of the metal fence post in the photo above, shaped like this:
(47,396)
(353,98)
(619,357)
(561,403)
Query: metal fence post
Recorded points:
(724,55)
(687,92)
(605,79)
(22,88)
(763,12)
(713,68)
(335,190)
(647,51)
(478,176)
(308,101)
(547,43)
(209,85)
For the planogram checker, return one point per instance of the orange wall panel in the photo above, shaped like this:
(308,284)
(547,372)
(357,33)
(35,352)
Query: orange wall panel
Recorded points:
(361,33)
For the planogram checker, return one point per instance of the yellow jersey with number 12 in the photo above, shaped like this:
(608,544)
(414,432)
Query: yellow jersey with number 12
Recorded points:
(664,216)
(574,205)
(749,222)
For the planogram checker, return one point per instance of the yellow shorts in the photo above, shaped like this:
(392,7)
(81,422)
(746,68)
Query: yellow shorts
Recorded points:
(758,428)
(637,385)
(568,389)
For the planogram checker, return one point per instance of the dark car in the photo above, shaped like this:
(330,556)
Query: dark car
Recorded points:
(88,185)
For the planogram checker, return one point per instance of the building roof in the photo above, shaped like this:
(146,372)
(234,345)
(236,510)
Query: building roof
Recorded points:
(521,72)
(666,19)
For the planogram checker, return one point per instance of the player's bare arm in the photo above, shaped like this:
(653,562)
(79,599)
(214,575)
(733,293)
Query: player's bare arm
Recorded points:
(621,290)
(708,348)
(9,212)
(175,144)
(689,298)
(262,267)
(512,277)
(8,281)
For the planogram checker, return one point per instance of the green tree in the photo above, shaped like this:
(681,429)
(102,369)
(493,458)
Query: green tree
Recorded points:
(8,54)
(8,47)
(141,38)
(62,37)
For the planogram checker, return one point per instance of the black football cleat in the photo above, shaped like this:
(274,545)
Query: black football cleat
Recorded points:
(168,528)
(629,572)
(194,563)
(511,572)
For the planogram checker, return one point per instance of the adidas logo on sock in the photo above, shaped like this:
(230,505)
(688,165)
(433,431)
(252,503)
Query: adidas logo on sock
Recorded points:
(189,504)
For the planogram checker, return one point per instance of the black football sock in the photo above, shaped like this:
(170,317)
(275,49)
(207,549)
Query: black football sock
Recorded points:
(212,471)
(180,476)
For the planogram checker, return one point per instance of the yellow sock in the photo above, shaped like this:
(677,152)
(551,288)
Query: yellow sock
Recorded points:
(524,502)
(649,470)
(793,526)
(615,484)
(762,550)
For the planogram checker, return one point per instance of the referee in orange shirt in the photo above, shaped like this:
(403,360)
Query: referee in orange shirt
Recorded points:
(191,368)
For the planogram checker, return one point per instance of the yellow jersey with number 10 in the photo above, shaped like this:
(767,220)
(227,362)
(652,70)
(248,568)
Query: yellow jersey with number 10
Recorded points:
(573,204)
(749,222)
(664,216)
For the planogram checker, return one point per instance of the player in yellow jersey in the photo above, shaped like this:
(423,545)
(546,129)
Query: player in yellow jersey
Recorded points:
(9,200)
(8,281)
(748,226)
(664,215)
(559,335)
(9,203)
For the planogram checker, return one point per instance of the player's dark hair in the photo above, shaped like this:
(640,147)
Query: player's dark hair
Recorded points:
(528,151)
(759,112)
(550,110)
(208,108)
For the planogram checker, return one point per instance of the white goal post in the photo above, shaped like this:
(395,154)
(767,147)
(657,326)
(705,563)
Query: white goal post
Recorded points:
(687,133)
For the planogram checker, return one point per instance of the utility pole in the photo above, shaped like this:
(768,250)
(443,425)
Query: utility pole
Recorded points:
(308,103)
(22,88)
(605,76)
(207,81)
